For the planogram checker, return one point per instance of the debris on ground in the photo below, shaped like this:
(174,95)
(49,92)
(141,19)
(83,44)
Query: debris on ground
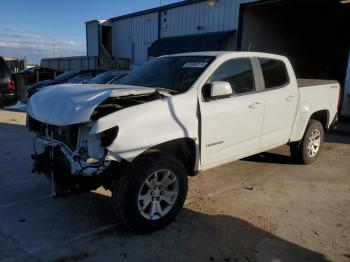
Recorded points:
(249,187)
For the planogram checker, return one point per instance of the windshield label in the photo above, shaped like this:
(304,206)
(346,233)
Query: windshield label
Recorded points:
(195,65)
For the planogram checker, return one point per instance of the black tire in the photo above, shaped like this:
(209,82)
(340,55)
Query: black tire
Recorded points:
(299,150)
(126,190)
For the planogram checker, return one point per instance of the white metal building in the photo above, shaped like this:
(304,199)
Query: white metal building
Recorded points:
(130,36)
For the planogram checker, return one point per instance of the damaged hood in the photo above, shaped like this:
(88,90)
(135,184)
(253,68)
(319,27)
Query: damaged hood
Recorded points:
(69,104)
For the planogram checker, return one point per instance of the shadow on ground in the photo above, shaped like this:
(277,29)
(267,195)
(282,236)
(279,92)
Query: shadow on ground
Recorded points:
(337,136)
(334,136)
(194,236)
(340,133)
(272,158)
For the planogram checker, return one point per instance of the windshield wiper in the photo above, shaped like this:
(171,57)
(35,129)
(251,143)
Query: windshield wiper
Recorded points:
(162,89)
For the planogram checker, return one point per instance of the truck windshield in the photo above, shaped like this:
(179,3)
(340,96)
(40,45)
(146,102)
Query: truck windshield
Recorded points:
(176,73)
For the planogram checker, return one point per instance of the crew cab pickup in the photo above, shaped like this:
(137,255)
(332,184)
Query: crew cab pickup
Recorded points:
(171,118)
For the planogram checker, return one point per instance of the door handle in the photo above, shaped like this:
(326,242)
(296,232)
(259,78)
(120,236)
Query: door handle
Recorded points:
(289,98)
(255,105)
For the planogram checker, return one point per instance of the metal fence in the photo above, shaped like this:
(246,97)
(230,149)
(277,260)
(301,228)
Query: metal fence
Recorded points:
(71,63)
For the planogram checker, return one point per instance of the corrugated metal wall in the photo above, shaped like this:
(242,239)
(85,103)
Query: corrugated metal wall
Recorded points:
(92,38)
(121,38)
(201,18)
(133,35)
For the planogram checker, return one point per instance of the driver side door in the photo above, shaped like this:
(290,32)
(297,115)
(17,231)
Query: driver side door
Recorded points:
(231,126)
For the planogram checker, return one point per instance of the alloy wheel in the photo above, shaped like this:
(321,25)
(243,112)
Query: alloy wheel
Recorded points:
(314,143)
(158,194)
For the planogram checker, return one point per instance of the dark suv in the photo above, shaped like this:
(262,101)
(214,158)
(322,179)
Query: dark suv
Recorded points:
(8,94)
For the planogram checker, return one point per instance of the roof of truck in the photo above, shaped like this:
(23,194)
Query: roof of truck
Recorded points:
(223,53)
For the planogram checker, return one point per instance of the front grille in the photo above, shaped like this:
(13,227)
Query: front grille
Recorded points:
(36,126)
(65,134)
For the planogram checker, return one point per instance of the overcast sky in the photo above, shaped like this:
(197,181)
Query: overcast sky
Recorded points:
(31,28)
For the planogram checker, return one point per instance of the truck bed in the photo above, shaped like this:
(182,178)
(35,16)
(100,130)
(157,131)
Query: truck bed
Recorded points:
(302,82)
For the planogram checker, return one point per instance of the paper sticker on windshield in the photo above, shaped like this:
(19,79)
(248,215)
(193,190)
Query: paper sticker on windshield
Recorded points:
(195,65)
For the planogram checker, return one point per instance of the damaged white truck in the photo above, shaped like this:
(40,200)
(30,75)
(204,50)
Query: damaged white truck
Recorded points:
(171,118)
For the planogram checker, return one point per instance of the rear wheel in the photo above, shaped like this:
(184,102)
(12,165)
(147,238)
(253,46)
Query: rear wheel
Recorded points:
(308,149)
(151,194)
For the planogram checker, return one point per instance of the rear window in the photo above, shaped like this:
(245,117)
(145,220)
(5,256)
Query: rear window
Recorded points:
(275,72)
(66,75)
(81,77)
(102,78)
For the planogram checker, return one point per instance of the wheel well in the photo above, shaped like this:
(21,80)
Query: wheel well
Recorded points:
(322,116)
(183,148)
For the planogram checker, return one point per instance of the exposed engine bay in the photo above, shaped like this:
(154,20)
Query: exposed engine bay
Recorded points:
(73,158)
(114,104)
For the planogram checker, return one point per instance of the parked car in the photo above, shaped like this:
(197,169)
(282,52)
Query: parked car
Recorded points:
(8,94)
(36,74)
(118,77)
(73,76)
(171,118)
(106,77)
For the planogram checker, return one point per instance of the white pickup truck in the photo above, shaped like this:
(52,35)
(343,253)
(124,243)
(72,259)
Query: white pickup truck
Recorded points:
(170,118)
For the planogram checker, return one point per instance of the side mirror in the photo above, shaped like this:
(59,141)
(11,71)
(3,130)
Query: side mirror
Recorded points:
(220,90)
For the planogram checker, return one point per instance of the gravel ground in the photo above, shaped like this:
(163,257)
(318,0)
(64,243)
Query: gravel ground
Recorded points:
(263,208)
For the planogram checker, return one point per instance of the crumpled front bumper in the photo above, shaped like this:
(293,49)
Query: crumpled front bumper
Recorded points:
(75,165)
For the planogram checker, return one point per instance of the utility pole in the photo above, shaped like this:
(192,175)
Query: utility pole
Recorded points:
(54,50)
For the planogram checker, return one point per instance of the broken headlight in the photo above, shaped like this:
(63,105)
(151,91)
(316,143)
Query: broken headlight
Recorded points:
(108,136)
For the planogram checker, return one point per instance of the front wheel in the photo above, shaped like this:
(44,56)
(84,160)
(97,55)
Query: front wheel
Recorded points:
(308,149)
(151,194)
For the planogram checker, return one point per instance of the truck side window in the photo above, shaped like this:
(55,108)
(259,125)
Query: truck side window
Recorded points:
(238,72)
(275,73)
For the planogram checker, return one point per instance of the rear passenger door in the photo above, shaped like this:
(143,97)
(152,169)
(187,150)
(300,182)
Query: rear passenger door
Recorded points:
(281,98)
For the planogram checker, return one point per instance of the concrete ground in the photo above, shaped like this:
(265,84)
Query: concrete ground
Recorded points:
(264,208)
